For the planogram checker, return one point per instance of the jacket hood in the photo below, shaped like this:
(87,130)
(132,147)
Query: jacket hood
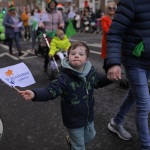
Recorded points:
(86,70)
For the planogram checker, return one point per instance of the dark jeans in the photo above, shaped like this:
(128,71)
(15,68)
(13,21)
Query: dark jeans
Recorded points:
(27,32)
(17,42)
(33,34)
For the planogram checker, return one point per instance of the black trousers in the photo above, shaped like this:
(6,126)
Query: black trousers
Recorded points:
(46,59)
(27,32)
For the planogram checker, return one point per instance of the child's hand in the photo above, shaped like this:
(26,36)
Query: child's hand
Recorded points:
(50,56)
(27,95)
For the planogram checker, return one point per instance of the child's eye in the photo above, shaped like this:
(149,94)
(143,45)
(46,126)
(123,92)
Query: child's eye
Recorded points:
(72,53)
(81,54)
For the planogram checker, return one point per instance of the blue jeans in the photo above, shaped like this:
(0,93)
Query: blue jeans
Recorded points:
(33,35)
(17,42)
(81,136)
(138,94)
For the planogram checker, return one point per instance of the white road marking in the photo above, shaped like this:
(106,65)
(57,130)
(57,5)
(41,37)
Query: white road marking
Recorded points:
(94,44)
(11,56)
(1,129)
(94,52)
(25,53)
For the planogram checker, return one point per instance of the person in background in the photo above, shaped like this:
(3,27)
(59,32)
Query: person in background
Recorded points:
(86,16)
(25,19)
(106,21)
(75,84)
(58,46)
(12,30)
(53,22)
(78,21)
(128,43)
(33,23)
(61,8)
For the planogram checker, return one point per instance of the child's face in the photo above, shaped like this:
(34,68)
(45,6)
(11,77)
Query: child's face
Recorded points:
(61,36)
(78,58)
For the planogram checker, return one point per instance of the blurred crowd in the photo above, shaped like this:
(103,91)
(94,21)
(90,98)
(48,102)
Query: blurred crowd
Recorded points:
(27,24)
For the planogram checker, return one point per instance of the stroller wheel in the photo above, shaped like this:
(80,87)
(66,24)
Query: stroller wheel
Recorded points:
(52,74)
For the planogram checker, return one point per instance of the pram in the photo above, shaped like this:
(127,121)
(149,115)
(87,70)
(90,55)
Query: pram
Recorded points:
(44,50)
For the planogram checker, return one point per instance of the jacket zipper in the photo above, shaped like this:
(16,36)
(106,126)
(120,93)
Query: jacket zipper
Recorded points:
(87,96)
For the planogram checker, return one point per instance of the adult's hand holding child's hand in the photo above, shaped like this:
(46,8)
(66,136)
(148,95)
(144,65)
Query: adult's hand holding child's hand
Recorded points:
(27,95)
(114,73)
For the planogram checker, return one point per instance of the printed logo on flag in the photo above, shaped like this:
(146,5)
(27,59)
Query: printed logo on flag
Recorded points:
(11,78)
(9,73)
(17,75)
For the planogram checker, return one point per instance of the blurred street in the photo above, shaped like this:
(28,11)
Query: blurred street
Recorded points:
(38,126)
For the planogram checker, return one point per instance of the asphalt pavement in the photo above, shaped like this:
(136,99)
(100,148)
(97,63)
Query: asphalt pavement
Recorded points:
(38,126)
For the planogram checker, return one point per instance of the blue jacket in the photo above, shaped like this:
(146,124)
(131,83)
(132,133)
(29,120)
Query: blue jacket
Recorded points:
(77,100)
(130,26)
(8,22)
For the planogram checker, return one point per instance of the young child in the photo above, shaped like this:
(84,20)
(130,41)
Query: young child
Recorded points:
(75,84)
(59,46)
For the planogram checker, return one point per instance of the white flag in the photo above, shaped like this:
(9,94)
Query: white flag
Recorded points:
(17,75)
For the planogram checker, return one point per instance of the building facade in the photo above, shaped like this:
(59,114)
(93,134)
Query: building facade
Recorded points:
(68,4)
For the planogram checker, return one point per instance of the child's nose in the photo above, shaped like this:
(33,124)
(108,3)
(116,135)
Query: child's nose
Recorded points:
(76,55)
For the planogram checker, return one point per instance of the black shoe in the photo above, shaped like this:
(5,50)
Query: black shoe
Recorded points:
(11,53)
(68,142)
(20,54)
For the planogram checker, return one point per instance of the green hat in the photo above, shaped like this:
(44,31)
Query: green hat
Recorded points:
(49,1)
(11,6)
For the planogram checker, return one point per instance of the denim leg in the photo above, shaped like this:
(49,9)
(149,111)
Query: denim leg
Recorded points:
(77,138)
(25,32)
(10,44)
(29,32)
(89,133)
(33,34)
(138,79)
(17,41)
(124,107)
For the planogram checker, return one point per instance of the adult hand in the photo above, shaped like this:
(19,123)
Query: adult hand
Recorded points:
(61,26)
(41,25)
(27,95)
(114,73)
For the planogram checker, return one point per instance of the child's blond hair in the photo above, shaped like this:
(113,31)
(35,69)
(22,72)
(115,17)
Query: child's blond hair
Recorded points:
(59,32)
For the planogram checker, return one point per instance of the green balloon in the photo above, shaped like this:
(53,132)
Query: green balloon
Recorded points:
(1,15)
(2,36)
(2,29)
(1,21)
